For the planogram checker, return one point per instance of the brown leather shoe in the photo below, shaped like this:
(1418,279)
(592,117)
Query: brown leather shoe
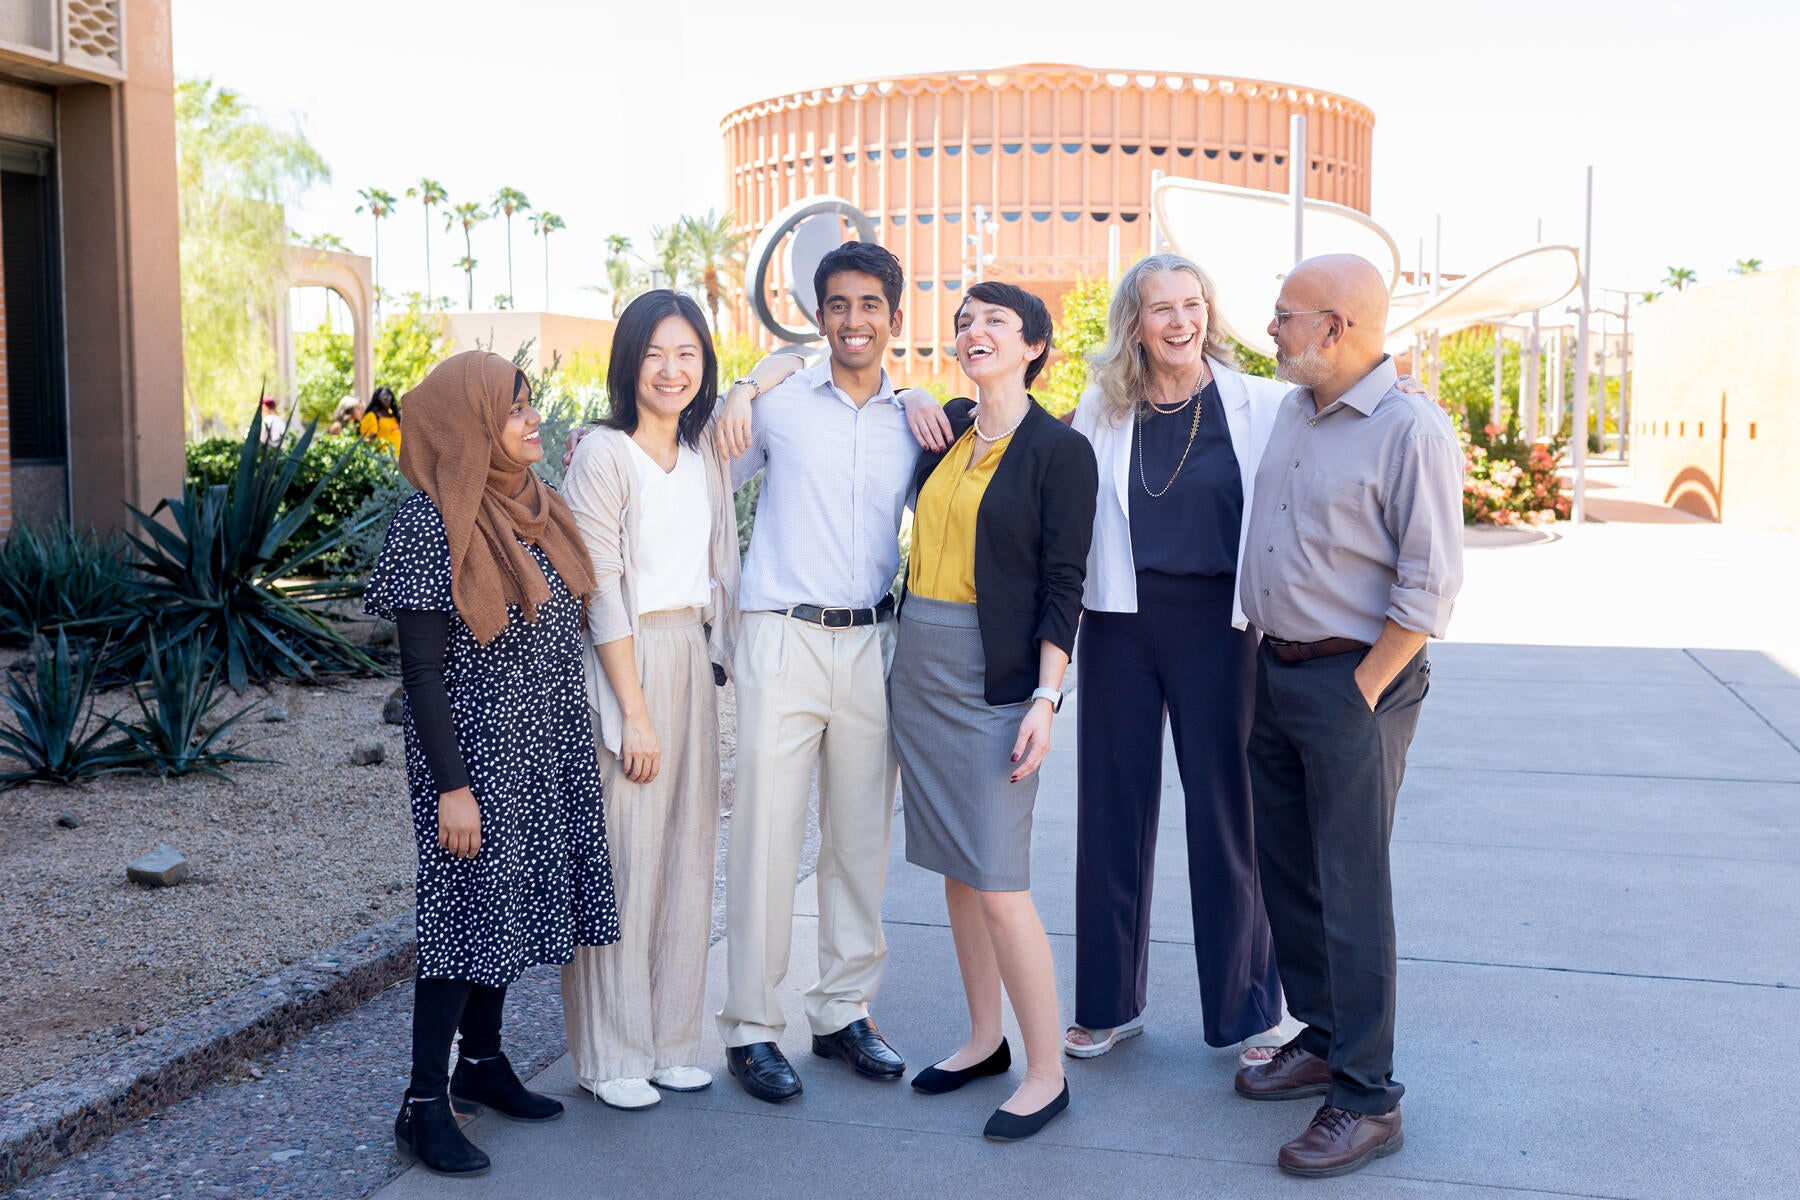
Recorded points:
(1291,1074)
(1339,1141)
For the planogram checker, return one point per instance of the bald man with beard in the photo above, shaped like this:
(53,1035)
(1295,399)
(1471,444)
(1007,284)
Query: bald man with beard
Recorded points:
(1352,560)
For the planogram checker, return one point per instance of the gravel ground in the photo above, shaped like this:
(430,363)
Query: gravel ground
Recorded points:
(290,858)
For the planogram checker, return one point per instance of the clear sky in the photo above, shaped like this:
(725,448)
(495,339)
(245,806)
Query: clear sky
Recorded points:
(607,113)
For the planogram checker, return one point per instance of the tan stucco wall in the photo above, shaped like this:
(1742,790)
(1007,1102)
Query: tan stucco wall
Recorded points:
(1716,419)
(120,233)
(505,332)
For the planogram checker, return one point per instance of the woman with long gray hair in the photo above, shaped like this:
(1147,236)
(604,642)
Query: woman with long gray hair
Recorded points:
(1178,433)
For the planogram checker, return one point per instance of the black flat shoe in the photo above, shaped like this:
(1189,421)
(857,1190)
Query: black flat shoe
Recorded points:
(492,1083)
(861,1045)
(1010,1127)
(935,1081)
(427,1130)
(764,1071)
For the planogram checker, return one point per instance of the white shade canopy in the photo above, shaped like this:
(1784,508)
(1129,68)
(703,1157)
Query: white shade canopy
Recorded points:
(1244,239)
(1523,283)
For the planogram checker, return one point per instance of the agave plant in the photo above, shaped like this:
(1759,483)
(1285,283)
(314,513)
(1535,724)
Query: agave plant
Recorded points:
(54,711)
(173,737)
(220,572)
(61,578)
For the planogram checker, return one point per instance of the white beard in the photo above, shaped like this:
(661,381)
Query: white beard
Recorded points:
(1307,368)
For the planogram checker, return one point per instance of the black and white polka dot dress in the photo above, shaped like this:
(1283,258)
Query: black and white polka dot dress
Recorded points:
(542,883)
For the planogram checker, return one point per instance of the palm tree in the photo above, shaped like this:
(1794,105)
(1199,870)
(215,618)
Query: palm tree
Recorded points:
(1747,266)
(467,264)
(321,241)
(669,244)
(714,247)
(1679,277)
(543,224)
(429,192)
(468,214)
(624,278)
(506,202)
(1649,297)
(377,204)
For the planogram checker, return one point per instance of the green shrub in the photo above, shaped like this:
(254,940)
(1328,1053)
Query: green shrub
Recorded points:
(324,372)
(221,569)
(61,578)
(353,470)
(56,739)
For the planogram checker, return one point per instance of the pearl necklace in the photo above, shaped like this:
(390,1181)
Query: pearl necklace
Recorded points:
(1000,437)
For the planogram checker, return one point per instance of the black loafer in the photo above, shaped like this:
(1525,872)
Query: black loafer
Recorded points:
(1010,1127)
(935,1081)
(764,1071)
(861,1045)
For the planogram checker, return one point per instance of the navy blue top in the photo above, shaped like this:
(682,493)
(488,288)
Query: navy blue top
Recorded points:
(1191,529)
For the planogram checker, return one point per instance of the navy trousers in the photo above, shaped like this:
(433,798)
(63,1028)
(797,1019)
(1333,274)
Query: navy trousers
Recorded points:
(1176,659)
(1326,771)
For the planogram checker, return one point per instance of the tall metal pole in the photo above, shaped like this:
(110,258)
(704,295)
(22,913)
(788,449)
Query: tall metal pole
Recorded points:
(1531,374)
(1112,253)
(1625,377)
(1600,404)
(1578,507)
(1297,180)
(1494,413)
(1156,238)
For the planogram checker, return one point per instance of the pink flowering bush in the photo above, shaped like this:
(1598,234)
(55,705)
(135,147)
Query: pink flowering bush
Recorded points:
(1507,481)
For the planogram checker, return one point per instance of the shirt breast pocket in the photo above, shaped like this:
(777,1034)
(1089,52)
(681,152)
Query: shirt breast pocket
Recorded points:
(1332,509)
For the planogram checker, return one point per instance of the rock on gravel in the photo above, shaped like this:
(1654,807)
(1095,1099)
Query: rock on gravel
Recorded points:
(394,711)
(162,867)
(275,714)
(367,752)
(68,819)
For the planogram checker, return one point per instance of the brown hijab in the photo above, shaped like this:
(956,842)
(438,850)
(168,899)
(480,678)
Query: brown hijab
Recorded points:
(490,501)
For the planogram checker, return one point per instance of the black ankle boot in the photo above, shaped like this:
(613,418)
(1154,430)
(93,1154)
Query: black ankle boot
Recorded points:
(493,1083)
(427,1130)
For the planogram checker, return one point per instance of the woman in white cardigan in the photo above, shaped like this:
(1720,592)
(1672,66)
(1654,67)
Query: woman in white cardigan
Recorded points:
(1178,433)
(652,499)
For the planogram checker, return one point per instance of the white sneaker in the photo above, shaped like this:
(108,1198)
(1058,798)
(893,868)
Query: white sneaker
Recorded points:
(681,1079)
(626,1093)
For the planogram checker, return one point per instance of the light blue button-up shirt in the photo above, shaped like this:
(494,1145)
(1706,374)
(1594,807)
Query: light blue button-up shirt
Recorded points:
(828,520)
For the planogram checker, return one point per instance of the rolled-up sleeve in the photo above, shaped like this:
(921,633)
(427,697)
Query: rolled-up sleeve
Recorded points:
(597,497)
(1067,523)
(1424,515)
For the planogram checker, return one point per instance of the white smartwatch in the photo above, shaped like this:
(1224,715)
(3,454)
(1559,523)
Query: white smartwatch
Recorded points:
(1050,694)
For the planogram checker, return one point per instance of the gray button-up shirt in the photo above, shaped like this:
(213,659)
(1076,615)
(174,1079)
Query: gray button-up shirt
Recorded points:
(828,520)
(1357,517)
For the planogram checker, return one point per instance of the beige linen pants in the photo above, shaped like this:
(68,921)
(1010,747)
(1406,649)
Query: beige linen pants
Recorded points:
(636,1006)
(806,695)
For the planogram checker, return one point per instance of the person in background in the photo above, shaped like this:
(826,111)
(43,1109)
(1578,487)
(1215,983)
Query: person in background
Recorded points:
(653,500)
(274,425)
(1353,563)
(1001,528)
(483,573)
(346,417)
(381,420)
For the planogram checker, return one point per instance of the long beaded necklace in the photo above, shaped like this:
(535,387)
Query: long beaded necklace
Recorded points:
(1143,409)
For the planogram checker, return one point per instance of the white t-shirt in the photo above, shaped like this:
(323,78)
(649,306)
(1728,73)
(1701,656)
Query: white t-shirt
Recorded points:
(674,532)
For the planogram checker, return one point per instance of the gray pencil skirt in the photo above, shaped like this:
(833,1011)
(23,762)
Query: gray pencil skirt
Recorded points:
(964,817)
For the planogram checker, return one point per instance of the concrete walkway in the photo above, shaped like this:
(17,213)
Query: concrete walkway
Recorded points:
(1597,874)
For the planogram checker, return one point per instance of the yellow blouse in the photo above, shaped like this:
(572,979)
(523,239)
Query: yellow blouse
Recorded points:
(387,429)
(943,537)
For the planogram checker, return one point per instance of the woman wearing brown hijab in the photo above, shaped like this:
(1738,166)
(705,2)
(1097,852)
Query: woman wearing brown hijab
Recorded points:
(483,573)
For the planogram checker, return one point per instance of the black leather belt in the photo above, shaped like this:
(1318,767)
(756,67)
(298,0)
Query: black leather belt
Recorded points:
(840,618)
(1293,652)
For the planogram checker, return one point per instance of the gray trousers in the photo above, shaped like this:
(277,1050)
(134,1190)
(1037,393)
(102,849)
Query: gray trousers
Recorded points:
(1324,772)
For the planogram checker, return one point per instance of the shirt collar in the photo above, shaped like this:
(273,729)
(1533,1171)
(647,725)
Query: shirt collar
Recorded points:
(818,378)
(1372,387)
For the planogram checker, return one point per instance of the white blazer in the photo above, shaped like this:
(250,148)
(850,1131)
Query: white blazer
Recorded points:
(1250,404)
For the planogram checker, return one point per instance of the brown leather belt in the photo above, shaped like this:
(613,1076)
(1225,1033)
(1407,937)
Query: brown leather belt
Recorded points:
(1293,652)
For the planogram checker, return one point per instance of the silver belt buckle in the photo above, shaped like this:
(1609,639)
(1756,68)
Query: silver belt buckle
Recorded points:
(826,621)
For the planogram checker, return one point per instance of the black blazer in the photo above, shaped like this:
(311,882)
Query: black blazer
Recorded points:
(1031,545)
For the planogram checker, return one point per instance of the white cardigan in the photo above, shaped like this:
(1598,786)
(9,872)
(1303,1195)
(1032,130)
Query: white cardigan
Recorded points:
(1250,404)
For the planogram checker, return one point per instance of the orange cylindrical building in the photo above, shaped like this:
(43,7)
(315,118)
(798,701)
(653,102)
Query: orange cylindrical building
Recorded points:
(1052,154)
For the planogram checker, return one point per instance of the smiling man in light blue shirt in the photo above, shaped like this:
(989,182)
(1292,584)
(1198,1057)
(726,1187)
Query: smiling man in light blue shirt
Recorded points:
(811,672)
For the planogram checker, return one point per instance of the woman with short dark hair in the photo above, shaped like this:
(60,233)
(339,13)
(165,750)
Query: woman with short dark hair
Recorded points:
(1001,526)
(653,500)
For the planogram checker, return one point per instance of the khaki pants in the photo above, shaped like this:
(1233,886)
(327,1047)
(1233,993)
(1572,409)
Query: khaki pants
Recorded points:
(806,695)
(635,1007)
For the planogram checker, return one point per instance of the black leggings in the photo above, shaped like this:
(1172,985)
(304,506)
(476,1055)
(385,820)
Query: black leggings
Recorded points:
(440,1008)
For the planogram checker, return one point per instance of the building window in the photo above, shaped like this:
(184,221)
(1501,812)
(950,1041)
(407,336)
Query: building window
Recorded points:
(36,405)
(1040,216)
(1040,147)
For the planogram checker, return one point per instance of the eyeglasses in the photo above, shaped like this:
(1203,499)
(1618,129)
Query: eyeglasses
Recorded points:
(1281,318)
